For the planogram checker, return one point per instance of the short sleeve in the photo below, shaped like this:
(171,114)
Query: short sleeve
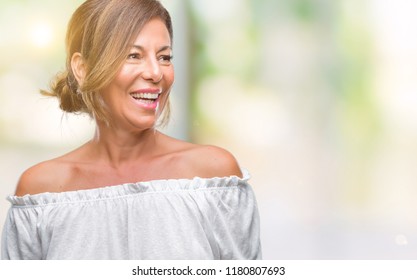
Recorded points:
(20,240)
(236,224)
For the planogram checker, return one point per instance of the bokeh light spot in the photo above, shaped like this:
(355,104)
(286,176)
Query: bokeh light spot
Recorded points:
(41,35)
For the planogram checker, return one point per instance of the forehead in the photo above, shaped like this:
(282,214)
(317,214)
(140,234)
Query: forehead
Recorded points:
(153,32)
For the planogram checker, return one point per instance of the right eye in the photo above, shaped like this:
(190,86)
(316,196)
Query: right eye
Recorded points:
(134,56)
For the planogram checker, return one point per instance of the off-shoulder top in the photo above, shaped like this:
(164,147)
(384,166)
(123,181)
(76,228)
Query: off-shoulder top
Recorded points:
(215,218)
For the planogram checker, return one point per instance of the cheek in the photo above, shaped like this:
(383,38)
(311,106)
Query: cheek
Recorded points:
(119,84)
(125,76)
(169,76)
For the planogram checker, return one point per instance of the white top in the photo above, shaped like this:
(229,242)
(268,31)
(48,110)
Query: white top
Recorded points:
(198,218)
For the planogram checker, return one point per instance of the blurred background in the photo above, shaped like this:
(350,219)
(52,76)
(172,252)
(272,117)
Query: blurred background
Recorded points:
(316,98)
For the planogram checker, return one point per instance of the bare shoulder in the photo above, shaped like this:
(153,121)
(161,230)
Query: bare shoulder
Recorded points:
(42,177)
(211,161)
(189,160)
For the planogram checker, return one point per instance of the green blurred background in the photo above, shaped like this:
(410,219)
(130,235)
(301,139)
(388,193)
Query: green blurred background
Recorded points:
(316,98)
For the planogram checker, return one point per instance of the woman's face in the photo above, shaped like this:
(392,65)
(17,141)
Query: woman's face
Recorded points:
(138,93)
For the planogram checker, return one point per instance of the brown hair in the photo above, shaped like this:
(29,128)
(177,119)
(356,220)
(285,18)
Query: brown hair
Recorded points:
(102,31)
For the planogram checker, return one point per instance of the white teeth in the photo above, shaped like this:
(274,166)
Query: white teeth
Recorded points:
(145,95)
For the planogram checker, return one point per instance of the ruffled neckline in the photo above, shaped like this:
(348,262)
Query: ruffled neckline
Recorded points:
(129,189)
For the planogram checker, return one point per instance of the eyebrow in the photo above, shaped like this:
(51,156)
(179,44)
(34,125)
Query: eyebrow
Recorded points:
(160,50)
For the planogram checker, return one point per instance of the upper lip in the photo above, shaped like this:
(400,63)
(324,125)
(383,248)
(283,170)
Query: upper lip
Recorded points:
(148,90)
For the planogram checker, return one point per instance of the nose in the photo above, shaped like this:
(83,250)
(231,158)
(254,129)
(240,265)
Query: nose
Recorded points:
(152,70)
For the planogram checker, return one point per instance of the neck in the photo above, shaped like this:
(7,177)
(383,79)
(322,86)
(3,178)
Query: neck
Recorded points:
(118,147)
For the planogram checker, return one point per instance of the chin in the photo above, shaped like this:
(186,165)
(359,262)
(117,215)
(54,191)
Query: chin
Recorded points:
(145,123)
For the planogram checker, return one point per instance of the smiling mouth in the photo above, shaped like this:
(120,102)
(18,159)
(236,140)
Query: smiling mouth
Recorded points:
(147,98)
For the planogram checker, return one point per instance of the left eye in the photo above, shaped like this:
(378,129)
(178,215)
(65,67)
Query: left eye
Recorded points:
(166,58)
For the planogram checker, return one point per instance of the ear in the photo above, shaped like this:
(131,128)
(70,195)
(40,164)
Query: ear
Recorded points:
(78,67)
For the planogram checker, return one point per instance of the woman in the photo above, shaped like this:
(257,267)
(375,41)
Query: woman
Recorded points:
(131,192)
